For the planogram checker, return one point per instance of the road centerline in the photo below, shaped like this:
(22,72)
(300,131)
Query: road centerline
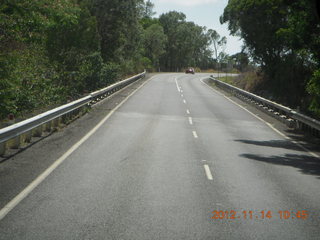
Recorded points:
(208,172)
(195,135)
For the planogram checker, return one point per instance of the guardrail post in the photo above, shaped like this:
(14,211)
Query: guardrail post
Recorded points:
(28,137)
(48,126)
(76,113)
(37,132)
(66,118)
(15,144)
(57,122)
(2,148)
(72,115)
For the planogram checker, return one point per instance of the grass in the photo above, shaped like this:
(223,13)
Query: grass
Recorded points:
(227,79)
(249,81)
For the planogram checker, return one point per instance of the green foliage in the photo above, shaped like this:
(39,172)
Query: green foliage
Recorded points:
(118,24)
(147,22)
(314,90)
(109,74)
(46,53)
(30,83)
(187,45)
(241,61)
(54,51)
(283,37)
(154,43)
(218,43)
(146,9)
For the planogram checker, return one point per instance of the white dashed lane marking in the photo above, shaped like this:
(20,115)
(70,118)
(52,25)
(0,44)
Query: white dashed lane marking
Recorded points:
(195,135)
(208,172)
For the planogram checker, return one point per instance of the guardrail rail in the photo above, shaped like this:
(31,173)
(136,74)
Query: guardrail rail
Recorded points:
(19,134)
(290,117)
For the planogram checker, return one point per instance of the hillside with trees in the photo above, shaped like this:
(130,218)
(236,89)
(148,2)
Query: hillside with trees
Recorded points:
(55,51)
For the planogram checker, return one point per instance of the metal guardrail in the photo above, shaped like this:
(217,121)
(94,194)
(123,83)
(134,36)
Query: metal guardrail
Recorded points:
(290,117)
(33,127)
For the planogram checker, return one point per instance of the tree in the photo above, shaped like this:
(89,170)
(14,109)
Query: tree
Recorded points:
(283,38)
(119,28)
(155,42)
(241,61)
(170,22)
(28,76)
(187,45)
(146,9)
(218,43)
(49,52)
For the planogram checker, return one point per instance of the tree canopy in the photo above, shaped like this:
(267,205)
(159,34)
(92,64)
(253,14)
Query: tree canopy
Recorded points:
(283,37)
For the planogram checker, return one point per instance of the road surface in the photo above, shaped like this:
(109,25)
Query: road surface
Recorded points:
(177,160)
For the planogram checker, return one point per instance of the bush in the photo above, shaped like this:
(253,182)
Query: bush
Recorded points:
(314,89)
(109,74)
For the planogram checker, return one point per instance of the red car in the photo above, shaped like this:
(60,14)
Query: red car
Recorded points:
(190,70)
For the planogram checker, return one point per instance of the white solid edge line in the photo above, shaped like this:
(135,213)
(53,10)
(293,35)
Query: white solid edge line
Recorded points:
(190,120)
(175,79)
(25,192)
(265,122)
(208,172)
(195,134)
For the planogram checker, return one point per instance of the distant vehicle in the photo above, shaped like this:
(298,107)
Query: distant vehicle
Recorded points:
(190,70)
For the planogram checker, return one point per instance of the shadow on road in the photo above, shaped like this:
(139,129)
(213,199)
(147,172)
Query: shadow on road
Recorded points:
(273,143)
(307,140)
(10,153)
(306,164)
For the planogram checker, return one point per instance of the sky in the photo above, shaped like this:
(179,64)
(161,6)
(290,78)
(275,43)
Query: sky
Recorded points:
(204,13)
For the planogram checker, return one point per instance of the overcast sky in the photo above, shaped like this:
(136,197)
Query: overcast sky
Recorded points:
(204,13)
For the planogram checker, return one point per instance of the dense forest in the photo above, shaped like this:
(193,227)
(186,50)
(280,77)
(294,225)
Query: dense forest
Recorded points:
(53,51)
(283,38)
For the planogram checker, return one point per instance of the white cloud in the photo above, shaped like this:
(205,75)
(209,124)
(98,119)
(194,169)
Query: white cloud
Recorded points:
(188,2)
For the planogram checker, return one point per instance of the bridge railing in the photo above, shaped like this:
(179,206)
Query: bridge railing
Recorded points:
(290,117)
(21,133)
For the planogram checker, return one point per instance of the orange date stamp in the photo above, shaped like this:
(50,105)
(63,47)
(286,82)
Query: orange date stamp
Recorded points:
(263,214)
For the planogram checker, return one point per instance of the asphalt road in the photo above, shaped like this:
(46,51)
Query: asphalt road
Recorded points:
(168,162)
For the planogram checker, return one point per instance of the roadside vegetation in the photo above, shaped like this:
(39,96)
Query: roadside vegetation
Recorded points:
(282,38)
(54,51)
(251,81)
